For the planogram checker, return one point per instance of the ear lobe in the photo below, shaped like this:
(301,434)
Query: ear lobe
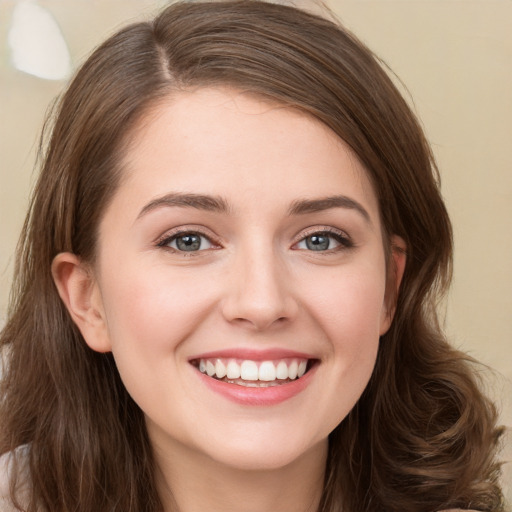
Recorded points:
(81,296)
(395,273)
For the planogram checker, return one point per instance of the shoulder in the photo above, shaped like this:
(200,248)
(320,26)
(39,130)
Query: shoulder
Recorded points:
(15,461)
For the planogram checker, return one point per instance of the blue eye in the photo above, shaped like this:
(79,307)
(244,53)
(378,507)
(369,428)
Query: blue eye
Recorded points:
(323,241)
(187,242)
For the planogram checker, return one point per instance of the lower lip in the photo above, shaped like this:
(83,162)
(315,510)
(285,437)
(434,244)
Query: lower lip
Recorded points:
(258,396)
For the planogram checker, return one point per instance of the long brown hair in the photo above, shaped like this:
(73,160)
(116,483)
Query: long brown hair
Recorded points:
(421,438)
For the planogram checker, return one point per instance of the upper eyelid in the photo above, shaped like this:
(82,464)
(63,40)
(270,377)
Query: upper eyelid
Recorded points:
(174,232)
(321,229)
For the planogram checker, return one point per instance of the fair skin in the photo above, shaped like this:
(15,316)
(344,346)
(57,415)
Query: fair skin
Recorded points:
(219,246)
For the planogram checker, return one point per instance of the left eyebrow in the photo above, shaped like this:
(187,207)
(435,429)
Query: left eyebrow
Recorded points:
(303,206)
(197,201)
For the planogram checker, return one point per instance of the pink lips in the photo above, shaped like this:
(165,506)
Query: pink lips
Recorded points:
(256,396)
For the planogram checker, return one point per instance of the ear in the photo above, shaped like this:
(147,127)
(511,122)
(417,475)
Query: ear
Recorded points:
(395,272)
(82,298)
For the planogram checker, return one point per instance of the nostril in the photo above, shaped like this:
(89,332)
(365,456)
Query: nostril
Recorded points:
(260,322)
(259,311)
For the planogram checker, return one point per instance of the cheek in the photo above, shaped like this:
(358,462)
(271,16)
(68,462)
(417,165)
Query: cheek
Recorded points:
(349,314)
(155,310)
(352,318)
(150,316)
(349,305)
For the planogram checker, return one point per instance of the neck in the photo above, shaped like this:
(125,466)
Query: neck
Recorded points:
(193,482)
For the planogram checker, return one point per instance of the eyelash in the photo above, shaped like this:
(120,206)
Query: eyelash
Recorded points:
(344,241)
(339,236)
(165,241)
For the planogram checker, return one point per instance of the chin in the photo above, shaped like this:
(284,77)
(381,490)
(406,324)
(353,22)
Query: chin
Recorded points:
(267,456)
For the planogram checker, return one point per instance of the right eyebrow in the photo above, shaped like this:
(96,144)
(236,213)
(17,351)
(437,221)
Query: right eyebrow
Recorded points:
(326,203)
(197,201)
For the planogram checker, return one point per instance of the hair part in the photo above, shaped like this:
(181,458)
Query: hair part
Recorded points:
(421,438)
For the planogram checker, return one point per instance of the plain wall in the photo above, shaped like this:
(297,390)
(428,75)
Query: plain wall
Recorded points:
(454,57)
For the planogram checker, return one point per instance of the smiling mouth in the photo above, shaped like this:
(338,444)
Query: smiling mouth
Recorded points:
(249,373)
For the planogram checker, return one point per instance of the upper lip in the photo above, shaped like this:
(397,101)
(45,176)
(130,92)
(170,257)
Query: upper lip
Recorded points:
(253,354)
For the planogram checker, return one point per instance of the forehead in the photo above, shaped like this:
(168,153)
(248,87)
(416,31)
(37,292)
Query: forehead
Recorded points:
(226,142)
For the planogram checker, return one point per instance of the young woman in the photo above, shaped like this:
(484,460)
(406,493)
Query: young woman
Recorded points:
(226,286)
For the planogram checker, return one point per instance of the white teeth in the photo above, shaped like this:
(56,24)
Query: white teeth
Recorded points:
(220,369)
(233,370)
(267,371)
(249,370)
(210,369)
(292,370)
(282,370)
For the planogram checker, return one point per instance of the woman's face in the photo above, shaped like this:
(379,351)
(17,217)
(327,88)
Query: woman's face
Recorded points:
(242,248)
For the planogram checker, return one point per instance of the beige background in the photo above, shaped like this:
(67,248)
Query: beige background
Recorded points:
(455,58)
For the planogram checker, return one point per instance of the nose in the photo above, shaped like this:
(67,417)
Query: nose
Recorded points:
(259,294)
